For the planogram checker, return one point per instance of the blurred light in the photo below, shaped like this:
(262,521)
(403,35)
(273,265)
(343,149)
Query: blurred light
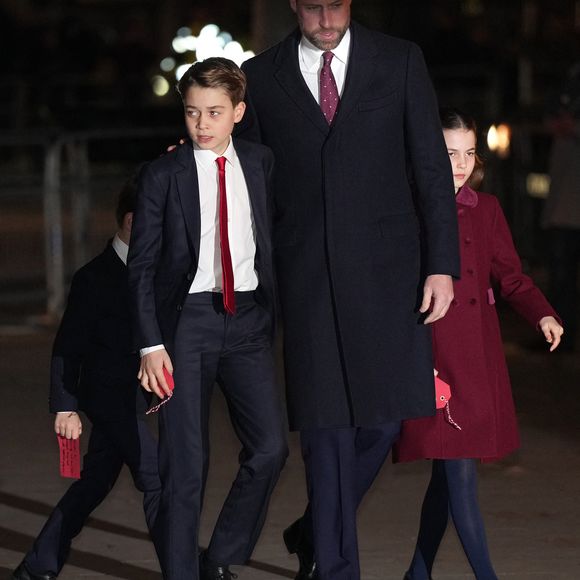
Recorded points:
(233,50)
(498,140)
(538,185)
(179,44)
(209,31)
(208,46)
(210,42)
(181,69)
(160,86)
(167,64)
(226,36)
(184,31)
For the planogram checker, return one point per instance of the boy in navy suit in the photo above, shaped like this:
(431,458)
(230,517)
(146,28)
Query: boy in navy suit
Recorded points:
(202,286)
(93,369)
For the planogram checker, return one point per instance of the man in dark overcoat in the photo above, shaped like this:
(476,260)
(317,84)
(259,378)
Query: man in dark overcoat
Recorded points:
(365,240)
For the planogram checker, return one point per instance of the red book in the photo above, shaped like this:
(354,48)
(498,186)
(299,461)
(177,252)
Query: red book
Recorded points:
(70,457)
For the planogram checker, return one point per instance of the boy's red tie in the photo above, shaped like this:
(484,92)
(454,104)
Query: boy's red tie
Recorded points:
(227,270)
(328,89)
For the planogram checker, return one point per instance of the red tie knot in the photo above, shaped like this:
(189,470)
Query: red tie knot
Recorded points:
(221,163)
(327,57)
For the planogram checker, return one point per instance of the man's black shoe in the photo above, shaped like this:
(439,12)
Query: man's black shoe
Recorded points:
(297,543)
(209,570)
(23,573)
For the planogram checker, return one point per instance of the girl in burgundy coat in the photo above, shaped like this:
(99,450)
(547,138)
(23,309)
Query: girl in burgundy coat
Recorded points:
(468,355)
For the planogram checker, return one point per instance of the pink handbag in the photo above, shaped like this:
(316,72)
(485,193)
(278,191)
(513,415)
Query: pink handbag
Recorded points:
(442,397)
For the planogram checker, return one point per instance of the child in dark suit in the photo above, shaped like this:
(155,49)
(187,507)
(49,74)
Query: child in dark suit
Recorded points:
(93,369)
(202,285)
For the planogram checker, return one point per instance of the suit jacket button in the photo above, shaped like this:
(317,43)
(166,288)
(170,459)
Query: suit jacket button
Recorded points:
(473,301)
(454,302)
(179,308)
(189,276)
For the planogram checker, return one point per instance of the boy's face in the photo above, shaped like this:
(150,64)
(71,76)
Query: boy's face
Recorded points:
(210,117)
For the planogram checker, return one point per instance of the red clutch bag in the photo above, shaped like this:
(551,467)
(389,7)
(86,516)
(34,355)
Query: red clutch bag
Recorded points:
(442,397)
(171,385)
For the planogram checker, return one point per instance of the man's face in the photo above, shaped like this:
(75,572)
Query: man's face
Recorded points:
(323,22)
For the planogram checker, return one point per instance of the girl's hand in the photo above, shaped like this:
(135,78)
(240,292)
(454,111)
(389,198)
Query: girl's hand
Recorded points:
(552,331)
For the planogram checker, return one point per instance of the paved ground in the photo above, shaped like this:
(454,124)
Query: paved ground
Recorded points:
(530,501)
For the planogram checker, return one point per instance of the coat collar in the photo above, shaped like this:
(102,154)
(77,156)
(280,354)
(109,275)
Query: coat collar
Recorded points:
(292,82)
(359,70)
(466,196)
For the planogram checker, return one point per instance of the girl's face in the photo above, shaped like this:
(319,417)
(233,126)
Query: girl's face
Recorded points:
(461,148)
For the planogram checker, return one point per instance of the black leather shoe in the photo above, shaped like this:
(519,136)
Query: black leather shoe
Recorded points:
(209,570)
(23,573)
(297,543)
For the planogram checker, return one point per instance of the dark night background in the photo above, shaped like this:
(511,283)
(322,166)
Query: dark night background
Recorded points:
(82,71)
(78,114)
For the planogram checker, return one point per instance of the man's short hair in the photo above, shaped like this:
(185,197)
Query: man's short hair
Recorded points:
(215,73)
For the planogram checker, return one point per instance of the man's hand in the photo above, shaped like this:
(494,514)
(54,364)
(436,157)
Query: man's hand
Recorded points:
(151,372)
(172,147)
(552,331)
(437,296)
(68,425)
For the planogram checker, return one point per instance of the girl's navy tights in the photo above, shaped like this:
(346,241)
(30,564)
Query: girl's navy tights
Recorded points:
(452,490)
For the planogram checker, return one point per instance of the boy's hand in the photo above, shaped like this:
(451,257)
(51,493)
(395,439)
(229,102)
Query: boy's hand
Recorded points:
(552,331)
(151,372)
(438,290)
(68,425)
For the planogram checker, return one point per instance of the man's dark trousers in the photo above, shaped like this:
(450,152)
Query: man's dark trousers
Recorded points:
(111,445)
(235,351)
(341,465)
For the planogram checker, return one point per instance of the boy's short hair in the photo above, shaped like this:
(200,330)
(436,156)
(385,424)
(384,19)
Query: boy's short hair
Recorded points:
(127,200)
(215,73)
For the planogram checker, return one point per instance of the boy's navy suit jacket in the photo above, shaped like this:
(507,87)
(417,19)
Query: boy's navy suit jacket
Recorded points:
(165,238)
(94,364)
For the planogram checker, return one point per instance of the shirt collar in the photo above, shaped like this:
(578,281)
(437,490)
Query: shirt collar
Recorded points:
(206,157)
(121,248)
(310,54)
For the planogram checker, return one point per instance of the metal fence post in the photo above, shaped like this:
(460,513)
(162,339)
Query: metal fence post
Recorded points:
(78,163)
(53,234)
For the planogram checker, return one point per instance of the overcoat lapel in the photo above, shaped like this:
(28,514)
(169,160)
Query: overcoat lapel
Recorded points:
(291,80)
(188,190)
(360,70)
(361,67)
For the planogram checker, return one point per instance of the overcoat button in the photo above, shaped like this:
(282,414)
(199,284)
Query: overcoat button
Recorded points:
(454,302)
(470,271)
(467,240)
(179,308)
(473,301)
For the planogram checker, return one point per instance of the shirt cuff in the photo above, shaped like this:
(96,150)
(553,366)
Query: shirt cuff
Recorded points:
(149,349)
